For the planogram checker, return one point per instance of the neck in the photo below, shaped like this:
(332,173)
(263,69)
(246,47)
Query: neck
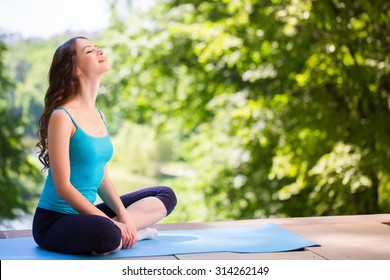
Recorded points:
(89,90)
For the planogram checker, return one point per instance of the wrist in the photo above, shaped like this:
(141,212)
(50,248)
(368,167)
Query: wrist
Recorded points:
(123,216)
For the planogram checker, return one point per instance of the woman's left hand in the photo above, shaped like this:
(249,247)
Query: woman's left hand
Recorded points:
(129,232)
(129,235)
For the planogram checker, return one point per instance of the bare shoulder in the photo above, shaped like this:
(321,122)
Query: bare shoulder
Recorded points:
(59,116)
(60,120)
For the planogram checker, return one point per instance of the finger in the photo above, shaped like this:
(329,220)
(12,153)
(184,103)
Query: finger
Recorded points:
(127,243)
(133,238)
(128,240)
(125,238)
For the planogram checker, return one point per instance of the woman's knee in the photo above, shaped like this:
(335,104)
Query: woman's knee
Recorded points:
(82,234)
(167,197)
(105,252)
(107,237)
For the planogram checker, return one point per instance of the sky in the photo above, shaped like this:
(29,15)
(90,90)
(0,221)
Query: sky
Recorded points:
(44,18)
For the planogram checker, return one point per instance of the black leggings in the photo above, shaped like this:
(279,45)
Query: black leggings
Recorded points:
(84,234)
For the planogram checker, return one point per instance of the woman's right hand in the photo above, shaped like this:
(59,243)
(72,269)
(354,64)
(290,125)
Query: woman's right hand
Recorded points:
(129,234)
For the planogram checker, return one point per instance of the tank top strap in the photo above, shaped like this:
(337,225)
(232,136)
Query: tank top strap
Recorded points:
(70,116)
(101,115)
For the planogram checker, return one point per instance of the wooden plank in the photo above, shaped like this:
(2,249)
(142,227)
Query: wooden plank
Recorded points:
(368,240)
(18,233)
(343,233)
(2,235)
(370,250)
(164,258)
(296,255)
(324,220)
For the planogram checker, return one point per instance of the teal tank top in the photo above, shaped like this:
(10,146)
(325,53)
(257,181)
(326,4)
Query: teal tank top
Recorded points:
(88,156)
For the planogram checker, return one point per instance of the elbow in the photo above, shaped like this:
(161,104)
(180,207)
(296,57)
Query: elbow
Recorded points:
(62,191)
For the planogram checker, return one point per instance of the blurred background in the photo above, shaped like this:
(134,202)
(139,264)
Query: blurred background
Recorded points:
(248,109)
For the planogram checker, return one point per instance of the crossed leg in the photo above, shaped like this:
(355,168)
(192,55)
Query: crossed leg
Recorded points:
(146,207)
(145,213)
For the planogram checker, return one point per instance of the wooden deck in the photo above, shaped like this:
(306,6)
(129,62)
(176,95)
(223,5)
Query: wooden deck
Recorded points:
(363,237)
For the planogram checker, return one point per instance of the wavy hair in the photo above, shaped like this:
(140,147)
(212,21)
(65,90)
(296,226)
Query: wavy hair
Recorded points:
(63,86)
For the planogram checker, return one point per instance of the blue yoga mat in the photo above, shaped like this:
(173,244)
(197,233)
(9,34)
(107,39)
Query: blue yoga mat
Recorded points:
(259,239)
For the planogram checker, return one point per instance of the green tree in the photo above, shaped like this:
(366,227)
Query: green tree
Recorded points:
(28,63)
(283,105)
(19,175)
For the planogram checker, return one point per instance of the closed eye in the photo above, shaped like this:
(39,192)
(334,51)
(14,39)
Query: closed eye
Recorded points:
(90,49)
(96,49)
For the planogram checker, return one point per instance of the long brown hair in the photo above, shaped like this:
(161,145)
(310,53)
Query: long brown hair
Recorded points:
(63,85)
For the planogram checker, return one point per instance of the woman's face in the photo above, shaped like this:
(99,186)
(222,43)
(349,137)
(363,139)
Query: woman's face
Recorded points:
(90,60)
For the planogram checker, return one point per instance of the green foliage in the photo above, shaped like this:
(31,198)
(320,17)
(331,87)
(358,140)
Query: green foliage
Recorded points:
(19,175)
(278,107)
(28,63)
(283,106)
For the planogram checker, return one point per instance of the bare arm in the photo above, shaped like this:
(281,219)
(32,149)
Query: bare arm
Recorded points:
(110,196)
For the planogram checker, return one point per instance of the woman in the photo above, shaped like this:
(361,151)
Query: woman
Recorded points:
(75,148)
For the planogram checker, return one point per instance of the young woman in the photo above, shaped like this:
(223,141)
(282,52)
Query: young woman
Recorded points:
(75,148)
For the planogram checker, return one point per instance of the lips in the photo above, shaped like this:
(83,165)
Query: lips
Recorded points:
(102,60)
